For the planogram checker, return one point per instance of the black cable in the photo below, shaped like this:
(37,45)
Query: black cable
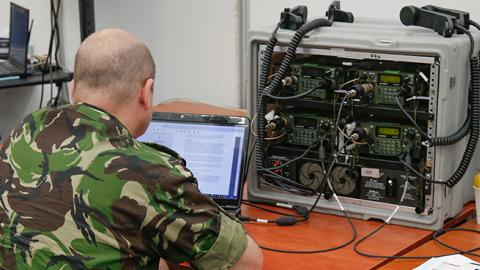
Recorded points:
(249,158)
(285,187)
(295,96)
(55,103)
(289,57)
(423,133)
(355,233)
(284,179)
(47,65)
(456,136)
(255,204)
(262,82)
(332,159)
(357,244)
(476,25)
(465,128)
(398,257)
(475,125)
(313,145)
(57,31)
(43,89)
(470,36)
(460,251)
(327,175)
(421,175)
(337,121)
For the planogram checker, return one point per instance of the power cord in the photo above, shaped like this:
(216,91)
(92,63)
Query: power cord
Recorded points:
(421,175)
(54,34)
(309,91)
(460,251)
(400,93)
(287,219)
(313,145)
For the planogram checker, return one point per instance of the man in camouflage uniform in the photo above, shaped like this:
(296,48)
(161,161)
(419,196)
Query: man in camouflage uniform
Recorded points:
(78,191)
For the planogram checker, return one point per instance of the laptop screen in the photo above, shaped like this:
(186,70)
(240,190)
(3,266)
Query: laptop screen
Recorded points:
(18,35)
(214,153)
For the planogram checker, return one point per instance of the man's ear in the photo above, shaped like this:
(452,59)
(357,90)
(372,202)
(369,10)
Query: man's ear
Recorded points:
(146,94)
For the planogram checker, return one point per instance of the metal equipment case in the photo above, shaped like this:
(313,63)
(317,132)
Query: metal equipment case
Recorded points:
(380,40)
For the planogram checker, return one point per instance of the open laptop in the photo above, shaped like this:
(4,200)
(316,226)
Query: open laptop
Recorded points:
(16,63)
(214,147)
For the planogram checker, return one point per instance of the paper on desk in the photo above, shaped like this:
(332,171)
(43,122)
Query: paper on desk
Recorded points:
(451,262)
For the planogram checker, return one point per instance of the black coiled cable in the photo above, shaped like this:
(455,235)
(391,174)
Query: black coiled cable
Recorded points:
(455,137)
(262,83)
(289,57)
(475,124)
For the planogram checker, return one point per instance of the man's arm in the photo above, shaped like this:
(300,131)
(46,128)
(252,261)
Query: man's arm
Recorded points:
(252,258)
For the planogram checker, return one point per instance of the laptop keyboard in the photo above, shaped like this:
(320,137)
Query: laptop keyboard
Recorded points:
(6,68)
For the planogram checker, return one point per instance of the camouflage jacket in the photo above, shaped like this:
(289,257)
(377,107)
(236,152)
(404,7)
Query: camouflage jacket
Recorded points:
(77,191)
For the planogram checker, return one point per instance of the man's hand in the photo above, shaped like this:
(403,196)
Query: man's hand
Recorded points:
(252,258)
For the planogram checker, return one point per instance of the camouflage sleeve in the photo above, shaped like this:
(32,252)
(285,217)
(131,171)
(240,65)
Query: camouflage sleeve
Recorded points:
(227,249)
(190,226)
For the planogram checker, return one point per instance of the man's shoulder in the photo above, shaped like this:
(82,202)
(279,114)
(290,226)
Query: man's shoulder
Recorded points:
(159,157)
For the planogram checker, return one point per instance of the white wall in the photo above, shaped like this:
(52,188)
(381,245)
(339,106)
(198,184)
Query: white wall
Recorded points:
(195,44)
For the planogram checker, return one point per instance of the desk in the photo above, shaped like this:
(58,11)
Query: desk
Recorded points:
(57,77)
(461,240)
(322,230)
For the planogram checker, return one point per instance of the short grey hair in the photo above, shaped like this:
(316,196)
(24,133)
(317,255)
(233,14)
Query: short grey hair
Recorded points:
(113,61)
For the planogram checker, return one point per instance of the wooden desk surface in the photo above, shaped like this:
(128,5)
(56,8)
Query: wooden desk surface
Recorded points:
(458,239)
(323,231)
(197,107)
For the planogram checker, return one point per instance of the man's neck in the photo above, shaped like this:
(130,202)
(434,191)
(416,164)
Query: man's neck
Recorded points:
(125,117)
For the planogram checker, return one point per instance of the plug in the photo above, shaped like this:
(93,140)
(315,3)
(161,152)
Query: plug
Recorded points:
(301,210)
(335,14)
(286,221)
(294,18)
(277,124)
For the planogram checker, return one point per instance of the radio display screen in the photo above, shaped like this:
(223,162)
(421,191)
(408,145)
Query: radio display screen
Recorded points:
(389,132)
(389,79)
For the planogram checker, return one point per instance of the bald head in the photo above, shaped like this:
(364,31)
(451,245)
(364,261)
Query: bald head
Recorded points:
(114,63)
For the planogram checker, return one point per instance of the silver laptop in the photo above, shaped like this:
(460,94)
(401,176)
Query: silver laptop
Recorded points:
(214,147)
(16,63)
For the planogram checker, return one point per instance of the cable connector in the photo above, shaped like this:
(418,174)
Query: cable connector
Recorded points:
(289,80)
(277,123)
(293,18)
(334,13)
(359,90)
(301,210)
(286,221)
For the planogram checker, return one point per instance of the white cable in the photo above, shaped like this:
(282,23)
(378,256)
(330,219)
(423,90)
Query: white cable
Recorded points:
(284,205)
(401,201)
(417,98)
(334,193)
